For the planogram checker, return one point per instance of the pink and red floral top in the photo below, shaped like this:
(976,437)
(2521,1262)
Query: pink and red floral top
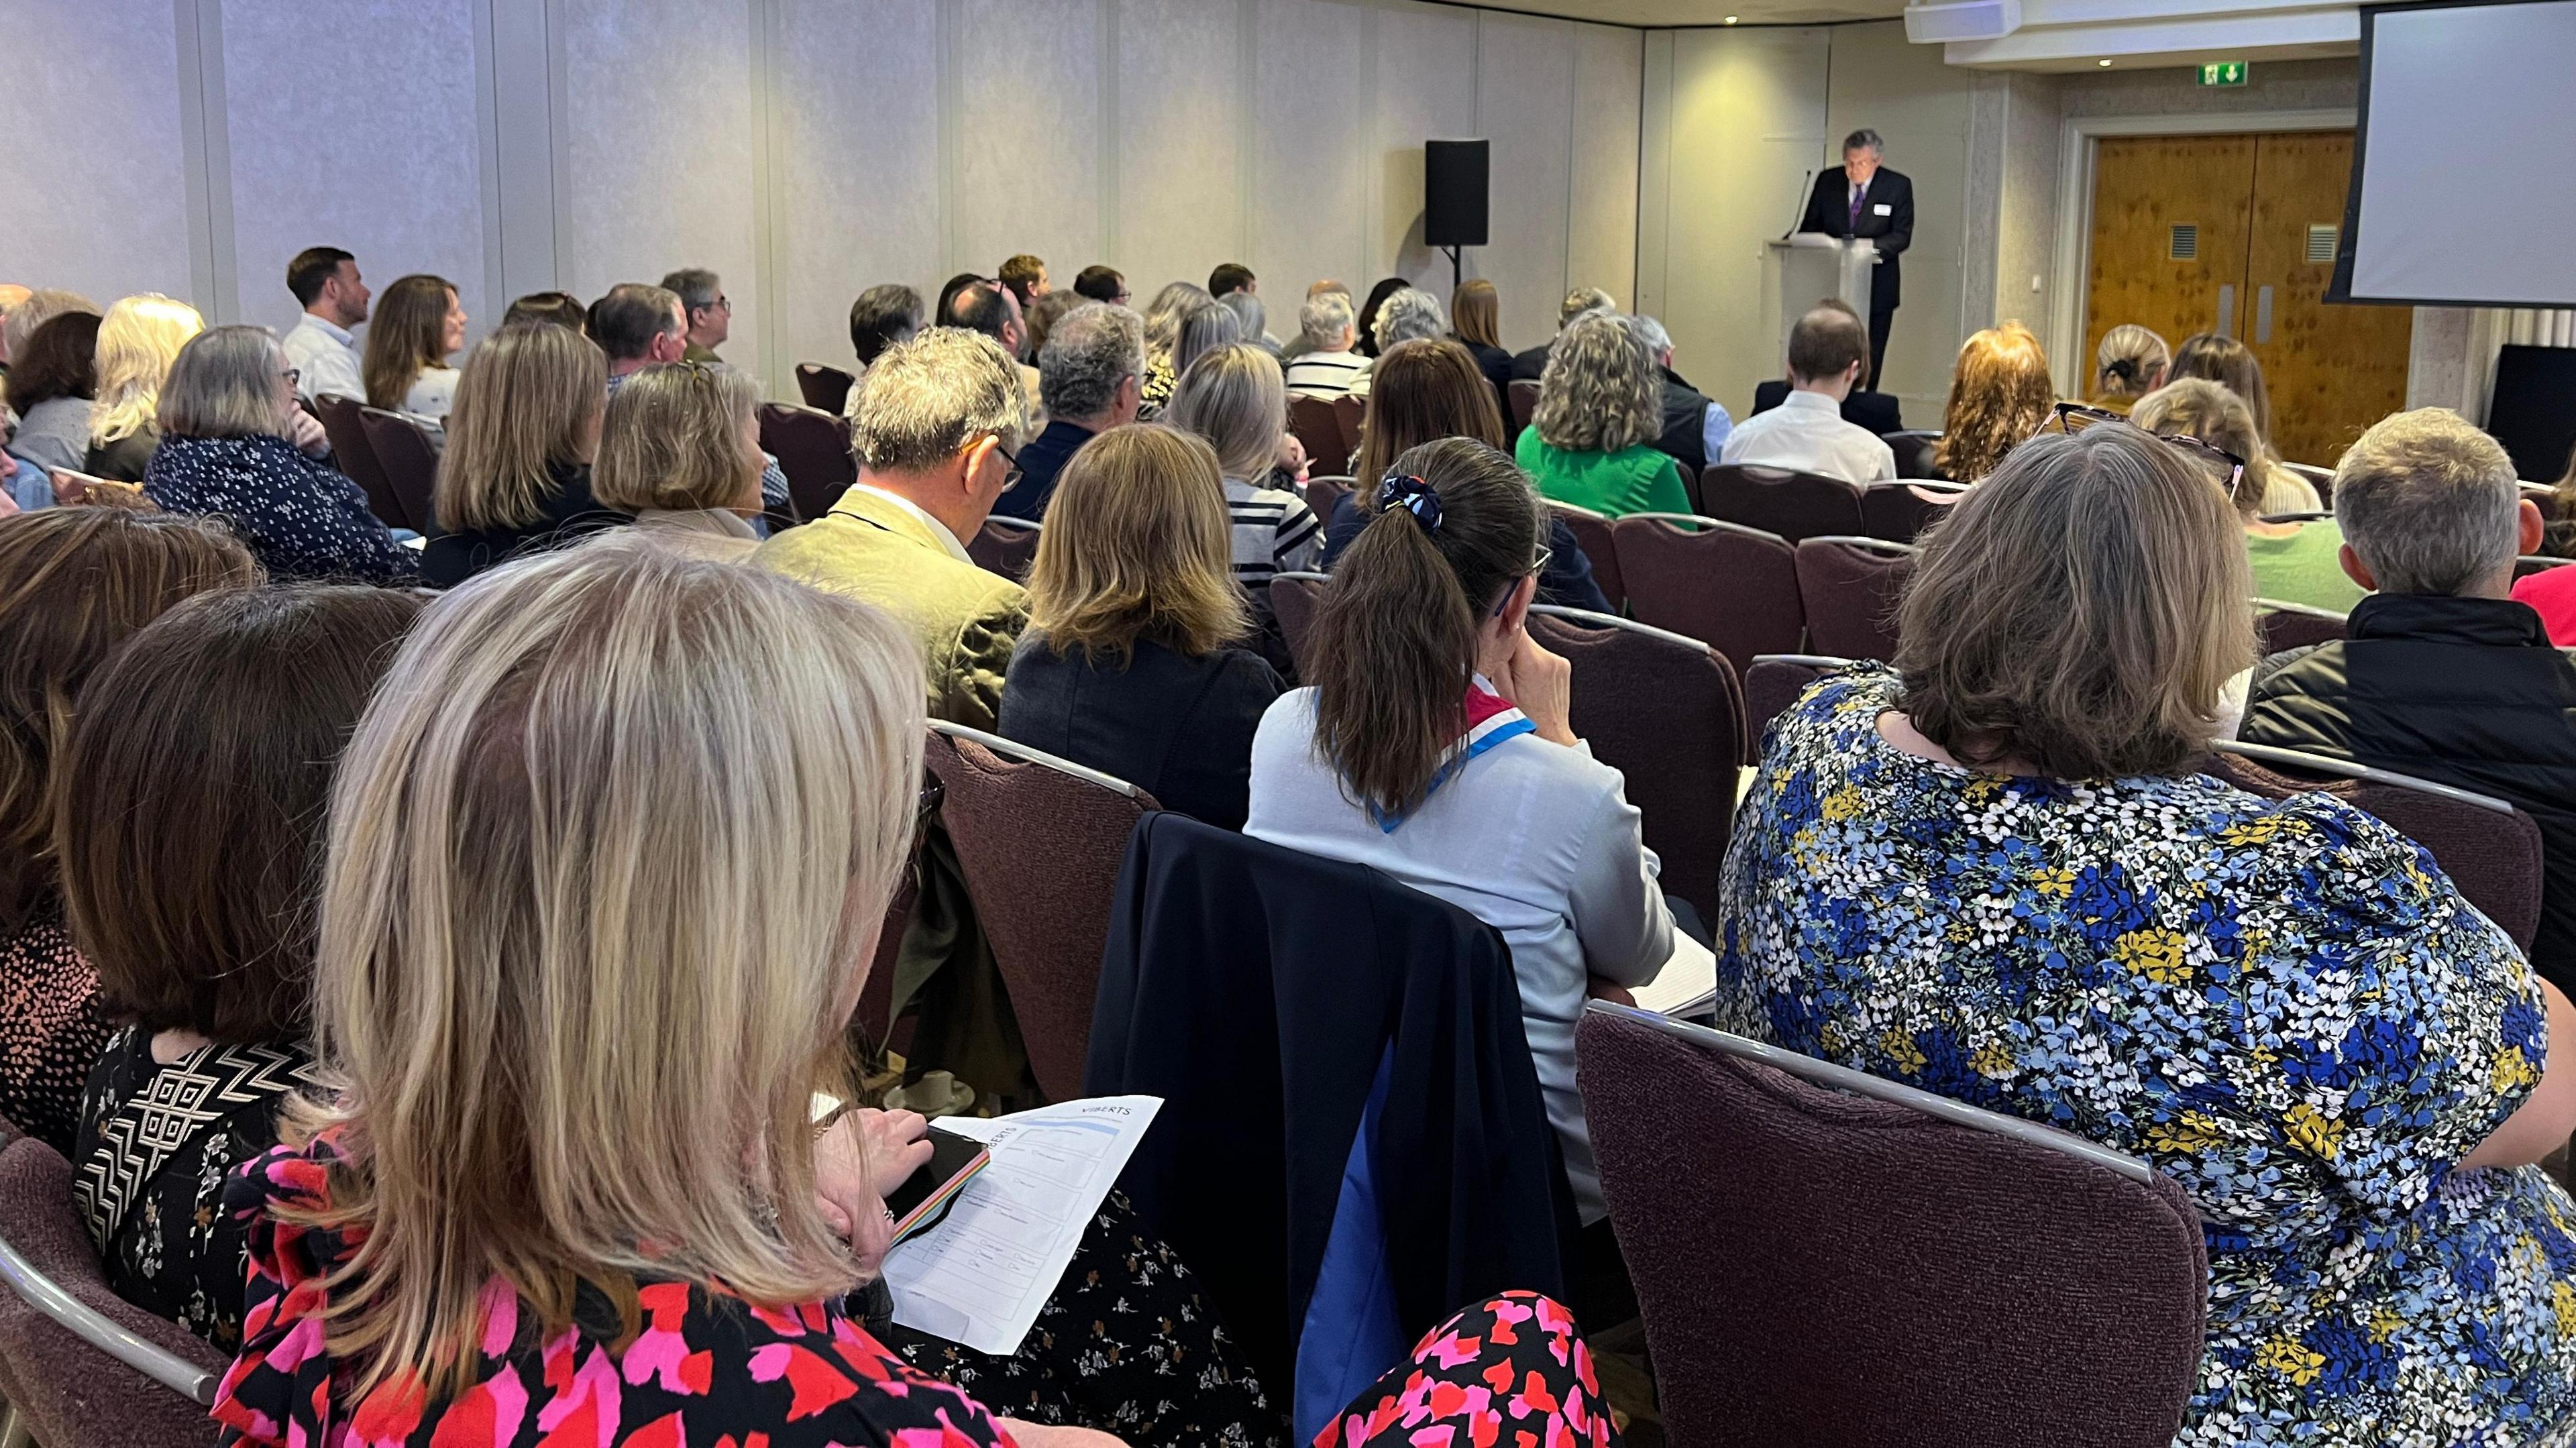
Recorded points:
(708,1369)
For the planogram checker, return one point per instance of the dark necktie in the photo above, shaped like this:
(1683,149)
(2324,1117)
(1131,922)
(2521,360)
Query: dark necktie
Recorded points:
(1857,192)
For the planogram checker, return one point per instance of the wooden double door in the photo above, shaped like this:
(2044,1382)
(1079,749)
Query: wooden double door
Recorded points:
(2236,234)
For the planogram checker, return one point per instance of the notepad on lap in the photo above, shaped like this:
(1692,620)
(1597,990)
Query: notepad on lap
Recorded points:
(1687,983)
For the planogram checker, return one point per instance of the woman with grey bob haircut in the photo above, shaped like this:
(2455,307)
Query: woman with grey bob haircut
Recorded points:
(1411,315)
(235,446)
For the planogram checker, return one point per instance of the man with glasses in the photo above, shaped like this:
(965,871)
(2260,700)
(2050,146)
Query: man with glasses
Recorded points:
(937,432)
(709,312)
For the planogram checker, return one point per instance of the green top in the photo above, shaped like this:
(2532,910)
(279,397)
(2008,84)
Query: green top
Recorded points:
(2304,568)
(1631,480)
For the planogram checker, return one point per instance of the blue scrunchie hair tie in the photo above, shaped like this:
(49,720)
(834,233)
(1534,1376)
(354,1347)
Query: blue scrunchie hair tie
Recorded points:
(1413,495)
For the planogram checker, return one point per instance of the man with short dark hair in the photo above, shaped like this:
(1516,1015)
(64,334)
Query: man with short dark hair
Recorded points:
(1531,365)
(1026,276)
(2440,674)
(1092,372)
(1232,276)
(1876,411)
(882,316)
(319,347)
(706,311)
(990,308)
(1103,284)
(1806,432)
(1863,198)
(638,325)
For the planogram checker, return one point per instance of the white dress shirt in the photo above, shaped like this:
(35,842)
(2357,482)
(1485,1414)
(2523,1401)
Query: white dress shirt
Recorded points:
(1806,433)
(325,358)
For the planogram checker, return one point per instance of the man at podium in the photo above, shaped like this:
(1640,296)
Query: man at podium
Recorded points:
(1863,198)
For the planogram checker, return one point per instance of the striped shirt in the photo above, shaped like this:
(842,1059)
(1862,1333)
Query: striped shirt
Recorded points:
(1274,532)
(1329,375)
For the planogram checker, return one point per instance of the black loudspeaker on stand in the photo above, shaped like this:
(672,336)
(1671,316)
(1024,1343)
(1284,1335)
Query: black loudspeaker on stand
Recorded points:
(1453,198)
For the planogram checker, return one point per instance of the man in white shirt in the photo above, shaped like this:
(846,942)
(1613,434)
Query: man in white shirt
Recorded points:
(1329,367)
(1828,352)
(325,282)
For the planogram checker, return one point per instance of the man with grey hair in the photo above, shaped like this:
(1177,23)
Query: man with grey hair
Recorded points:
(2440,673)
(1863,198)
(708,312)
(1331,365)
(1092,371)
(1411,315)
(1695,429)
(937,429)
(1531,365)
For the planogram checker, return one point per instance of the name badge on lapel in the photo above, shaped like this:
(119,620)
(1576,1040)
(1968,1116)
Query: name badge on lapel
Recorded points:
(1882,210)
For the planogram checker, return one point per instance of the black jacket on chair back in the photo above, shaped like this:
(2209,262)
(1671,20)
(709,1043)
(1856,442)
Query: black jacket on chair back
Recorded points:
(2462,691)
(1685,419)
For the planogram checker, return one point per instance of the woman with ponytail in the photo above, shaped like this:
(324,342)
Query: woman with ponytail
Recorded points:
(1434,744)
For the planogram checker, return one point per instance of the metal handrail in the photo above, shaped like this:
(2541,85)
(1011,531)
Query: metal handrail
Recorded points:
(1010,522)
(2347,769)
(102,1332)
(1013,749)
(1812,661)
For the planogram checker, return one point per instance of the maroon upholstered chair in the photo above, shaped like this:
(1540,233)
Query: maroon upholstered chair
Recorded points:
(1319,432)
(813,450)
(83,1368)
(1915,450)
(1350,415)
(2543,497)
(1664,711)
(1005,545)
(1040,840)
(1899,512)
(1594,532)
(2490,849)
(1294,597)
(357,456)
(1850,588)
(825,389)
(1690,485)
(2321,479)
(1773,684)
(1731,587)
(1828,1259)
(1323,491)
(408,457)
(1792,504)
(2294,625)
(1523,397)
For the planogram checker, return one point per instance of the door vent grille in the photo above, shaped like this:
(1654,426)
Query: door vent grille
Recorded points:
(2185,245)
(2321,243)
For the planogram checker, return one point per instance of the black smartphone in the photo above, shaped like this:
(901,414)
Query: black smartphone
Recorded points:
(924,1198)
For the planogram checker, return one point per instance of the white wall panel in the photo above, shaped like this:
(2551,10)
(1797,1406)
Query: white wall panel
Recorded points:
(1525,105)
(854,181)
(386,166)
(1028,80)
(1312,123)
(1601,243)
(93,190)
(1426,90)
(1181,137)
(660,147)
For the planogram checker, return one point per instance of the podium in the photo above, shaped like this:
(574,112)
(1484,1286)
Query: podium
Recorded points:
(1800,269)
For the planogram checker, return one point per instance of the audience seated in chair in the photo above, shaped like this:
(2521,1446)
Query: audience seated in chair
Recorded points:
(1091,374)
(2000,393)
(1298,345)
(1232,397)
(1531,366)
(680,452)
(53,387)
(992,309)
(138,339)
(2442,676)
(1163,318)
(320,346)
(1364,322)
(705,308)
(417,327)
(1695,429)
(1043,314)
(1411,315)
(202,762)
(515,476)
(1476,323)
(881,317)
(561,309)
(235,446)
(1878,413)
(1026,276)
(1806,433)
(1425,391)
(2293,562)
(1600,410)
(1480,795)
(75,585)
(1131,664)
(2282,1005)
(2131,362)
(937,422)
(1329,364)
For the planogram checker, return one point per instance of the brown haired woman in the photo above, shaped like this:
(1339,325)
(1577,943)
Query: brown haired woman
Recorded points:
(202,763)
(418,325)
(515,475)
(1432,393)
(1476,320)
(75,585)
(1130,665)
(1435,745)
(2000,393)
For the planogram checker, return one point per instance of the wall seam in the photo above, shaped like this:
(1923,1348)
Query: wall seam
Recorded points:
(206,161)
(1247,133)
(1573,152)
(944,36)
(487,153)
(558,141)
(1111,137)
(764,193)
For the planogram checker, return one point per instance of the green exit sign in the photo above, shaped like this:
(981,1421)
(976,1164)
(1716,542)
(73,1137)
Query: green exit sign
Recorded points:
(2223,72)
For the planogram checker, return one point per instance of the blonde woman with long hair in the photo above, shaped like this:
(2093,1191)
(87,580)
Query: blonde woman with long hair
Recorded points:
(418,325)
(2131,362)
(138,339)
(2000,393)
(1130,664)
(515,476)
(1600,409)
(682,453)
(2293,561)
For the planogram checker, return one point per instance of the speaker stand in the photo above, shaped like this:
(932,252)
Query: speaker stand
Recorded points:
(1457,268)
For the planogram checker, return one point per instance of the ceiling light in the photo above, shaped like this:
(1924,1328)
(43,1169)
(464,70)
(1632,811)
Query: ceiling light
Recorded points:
(1731,19)
(2105,64)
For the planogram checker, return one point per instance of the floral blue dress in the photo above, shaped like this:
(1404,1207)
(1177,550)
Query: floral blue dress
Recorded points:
(2282,1005)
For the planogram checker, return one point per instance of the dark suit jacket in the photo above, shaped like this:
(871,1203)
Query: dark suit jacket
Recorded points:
(1527,366)
(1176,727)
(1873,410)
(1829,211)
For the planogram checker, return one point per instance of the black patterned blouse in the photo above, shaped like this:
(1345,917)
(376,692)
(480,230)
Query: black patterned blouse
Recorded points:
(50,1028)
(156,1143)
(300,518)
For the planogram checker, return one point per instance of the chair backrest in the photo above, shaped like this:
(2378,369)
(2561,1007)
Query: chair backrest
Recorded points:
(1915,449)
(1039,840)
(1850,587)
(1731,587)
(1839,1261)
(2490,849)
(826,389)
(813,450)
(2322,479)
(1664,711)
(1349,413)
(1522,394)
(408,457)
(1319,432)
(85,1368)
(1773,684)
(1322,492)
(357,456)
(1294,597)
(2542,496)
(1593,531)
(1005,545)
(1899,512)
(2531,563)
(2294,625)
(1792,504)
(1690,484)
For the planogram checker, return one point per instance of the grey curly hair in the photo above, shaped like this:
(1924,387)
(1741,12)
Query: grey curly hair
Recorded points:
(1411,315)
(1600,392)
